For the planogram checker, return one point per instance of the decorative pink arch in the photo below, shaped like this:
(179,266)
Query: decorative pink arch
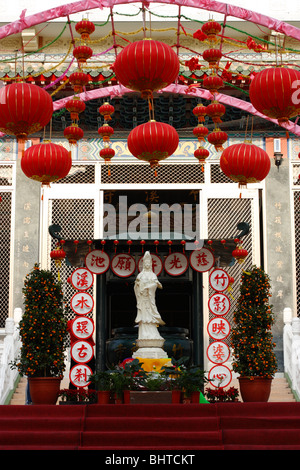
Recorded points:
(210,5)
(120,90)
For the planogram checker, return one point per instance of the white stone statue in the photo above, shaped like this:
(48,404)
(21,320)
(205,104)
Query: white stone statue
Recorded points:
(149,341)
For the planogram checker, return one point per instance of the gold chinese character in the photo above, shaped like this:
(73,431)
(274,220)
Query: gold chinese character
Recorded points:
(27,206)
(25,248)
(278,220)
(27,220)
(278,249)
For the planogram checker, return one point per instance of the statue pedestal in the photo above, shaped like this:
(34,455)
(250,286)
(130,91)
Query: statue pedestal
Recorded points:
(151,353)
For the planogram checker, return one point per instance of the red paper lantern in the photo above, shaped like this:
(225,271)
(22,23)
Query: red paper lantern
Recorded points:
(106,110)
(245,163)
(217,138)
(211,29)
(212,56)
(58,254)
(146,66)
(82,53)
(200,132)
(215,111)
(24,109)
(213,83)
(73,133)
(107,154)
(153,142)
(105,132)
(78,80)
(85,28)
(201,154)
(240,254)
(75,106)
(273,92)
(46,162)
(200,112)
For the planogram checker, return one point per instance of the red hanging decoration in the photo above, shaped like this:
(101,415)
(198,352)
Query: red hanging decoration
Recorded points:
(58,255)
(73,133)
(46,162)
(78,80)
(116,243)
(240,254)
(146,66)
(217,138)
(76,242)
(212,56)
(215,111)
(200,132)
(156,243)
(85,28)
(75,106)
(103,242)
(201,154)
(90,242)
(107,154)
(129,243)
(245,163)
(143,244)
(105,132)
(106,110)
(272,93)
(211,28)
(153,142)
(170,243)
(213,83)
(200,112)
(183,245)
(82,53)
(25,109)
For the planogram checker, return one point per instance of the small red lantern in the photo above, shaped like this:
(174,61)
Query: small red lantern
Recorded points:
(211,29)
(106,110)
(273,92)
(240,254)
(217,138)
(201,154)
(24,109)
(245,163)
(78,80)
(85,28)
(153,142)
(105,132)
(146,66)
(200,132)
(107,153)
(58,254)
(75,106)
(73,133)
(212,56)
(82,53)
(46,162)
(200,112)
(213,83)
(215,111)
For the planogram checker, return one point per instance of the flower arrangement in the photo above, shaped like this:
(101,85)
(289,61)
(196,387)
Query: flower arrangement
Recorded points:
(80,395)
(219,394)
(43,327)
(252,339)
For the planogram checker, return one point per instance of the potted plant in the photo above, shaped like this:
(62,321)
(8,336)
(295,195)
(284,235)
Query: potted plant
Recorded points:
(252,339)
(103,384)
(192,382)
(125,377)
(43,333)
(175,373)
(219,394)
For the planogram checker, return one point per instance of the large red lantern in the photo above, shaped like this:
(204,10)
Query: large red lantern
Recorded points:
(217,138)
(211,28)
(24,109)
(245,163)
(213,83)
(200,132)
(240,254)
(215,111)
(201,154)
(273,92)
(73,133)
(105,132)
(153,142)
(82,53)
(85,28)
(78,81)
(146,66)
(107,153)
(46,162)
(75,106)
(106,110)
(212,56)
(200,112)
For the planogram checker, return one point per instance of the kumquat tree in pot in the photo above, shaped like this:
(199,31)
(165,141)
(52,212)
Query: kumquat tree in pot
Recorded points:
(252,338)
(43,334)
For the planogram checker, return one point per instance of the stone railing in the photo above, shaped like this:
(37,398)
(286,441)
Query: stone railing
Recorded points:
(291,348)
(10,350)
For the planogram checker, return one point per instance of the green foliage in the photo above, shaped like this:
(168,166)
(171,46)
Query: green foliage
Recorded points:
(252,339)
(43,327)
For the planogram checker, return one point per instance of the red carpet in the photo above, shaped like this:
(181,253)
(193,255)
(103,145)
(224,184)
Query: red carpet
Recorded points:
(227,426)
